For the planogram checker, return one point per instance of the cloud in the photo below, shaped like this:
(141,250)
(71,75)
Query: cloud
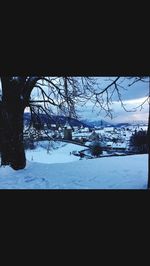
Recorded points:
(119,114)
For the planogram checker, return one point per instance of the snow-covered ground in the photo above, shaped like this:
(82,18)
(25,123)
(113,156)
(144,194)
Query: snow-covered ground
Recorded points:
(60,170)
(58,153)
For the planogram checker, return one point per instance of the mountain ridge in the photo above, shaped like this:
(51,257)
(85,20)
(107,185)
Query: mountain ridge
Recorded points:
(56,119)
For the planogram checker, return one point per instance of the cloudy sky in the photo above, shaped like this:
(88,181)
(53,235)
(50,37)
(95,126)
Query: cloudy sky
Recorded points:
(119,114)
(132,96)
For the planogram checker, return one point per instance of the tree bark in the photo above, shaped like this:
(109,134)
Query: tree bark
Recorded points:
(12,148)
(12,110)
(15,97)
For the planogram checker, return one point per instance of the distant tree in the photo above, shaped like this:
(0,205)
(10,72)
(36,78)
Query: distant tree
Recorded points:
(37,122)
(29,144)
(96,149)
(115,140)
(139,142)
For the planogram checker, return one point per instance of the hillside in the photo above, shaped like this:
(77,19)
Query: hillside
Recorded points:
(58,120)
(129,172)
(97,123)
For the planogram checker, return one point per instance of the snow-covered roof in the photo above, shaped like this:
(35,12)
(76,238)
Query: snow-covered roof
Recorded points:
(67,125)
(109,129)
(94,135)
(109,143)
(119,145)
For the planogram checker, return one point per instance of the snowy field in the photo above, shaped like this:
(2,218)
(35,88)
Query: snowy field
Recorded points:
(61,170)
(59,152)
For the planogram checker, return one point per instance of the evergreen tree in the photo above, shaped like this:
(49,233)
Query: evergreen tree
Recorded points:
(139,142)
(96,149)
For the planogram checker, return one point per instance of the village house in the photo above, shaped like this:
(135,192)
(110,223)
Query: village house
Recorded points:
(94,136)
(109,130)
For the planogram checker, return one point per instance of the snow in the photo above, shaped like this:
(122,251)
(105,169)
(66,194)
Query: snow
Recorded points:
(119,145)
(126,172)
(56,168)
(61,153)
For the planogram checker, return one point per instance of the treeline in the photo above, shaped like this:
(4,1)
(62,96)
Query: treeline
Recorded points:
(139,142)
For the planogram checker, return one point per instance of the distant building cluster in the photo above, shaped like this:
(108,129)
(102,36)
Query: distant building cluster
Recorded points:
(110,138)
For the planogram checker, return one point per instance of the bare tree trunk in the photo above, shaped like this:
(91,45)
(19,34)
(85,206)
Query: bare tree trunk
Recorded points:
(15,97)
(12,110)
(12,148)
